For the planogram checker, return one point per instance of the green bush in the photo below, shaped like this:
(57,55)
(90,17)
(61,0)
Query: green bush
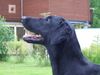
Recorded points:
(40,55)
(96,22)
(5,35)
(93,52)
(79,26)
(18,50)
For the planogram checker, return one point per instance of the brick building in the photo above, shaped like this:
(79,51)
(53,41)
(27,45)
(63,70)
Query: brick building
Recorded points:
(70,9)
(76,11)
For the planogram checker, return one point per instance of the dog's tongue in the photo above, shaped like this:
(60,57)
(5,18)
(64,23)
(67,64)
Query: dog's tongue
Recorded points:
(36,36)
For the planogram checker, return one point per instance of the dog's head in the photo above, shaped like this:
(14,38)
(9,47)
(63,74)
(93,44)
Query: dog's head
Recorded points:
(51,30)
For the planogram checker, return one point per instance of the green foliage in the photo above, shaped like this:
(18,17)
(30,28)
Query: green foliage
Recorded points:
(96,22)
(5,35)
(93,52)
(77,26)
(95,3)
(40,55)
(20,51)
(96,18)
(96,13)
(17,49)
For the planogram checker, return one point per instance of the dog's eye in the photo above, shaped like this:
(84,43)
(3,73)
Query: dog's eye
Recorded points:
(61,21)
(47,19)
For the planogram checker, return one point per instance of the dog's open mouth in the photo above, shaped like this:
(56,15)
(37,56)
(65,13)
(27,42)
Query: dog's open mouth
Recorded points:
(31,38)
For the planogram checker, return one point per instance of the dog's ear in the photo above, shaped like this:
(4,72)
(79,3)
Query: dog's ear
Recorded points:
(62,35)
(58,37)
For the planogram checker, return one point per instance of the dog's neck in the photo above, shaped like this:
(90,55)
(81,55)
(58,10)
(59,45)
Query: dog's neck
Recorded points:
(73,47)
(66,53)
(73,50)
(70,49)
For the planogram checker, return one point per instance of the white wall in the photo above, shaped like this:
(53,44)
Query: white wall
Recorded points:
(86,36)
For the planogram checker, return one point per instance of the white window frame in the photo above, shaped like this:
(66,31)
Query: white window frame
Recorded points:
(10,7)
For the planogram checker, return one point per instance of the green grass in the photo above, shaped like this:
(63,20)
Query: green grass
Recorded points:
(23,69)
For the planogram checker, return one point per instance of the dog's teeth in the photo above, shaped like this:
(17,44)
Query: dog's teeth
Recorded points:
(26,34)
(38,35)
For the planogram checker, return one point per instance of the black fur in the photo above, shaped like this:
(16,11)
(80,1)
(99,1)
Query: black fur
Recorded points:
(63,47)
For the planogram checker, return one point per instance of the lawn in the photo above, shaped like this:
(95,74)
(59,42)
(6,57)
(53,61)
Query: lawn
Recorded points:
(23,69)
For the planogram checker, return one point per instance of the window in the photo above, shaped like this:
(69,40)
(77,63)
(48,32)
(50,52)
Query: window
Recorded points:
(12,8)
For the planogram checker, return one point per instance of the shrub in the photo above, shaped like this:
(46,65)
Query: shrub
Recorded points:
(5,35)
(78,26)
(19,52)
(17,49)
(39,53)
(93,52)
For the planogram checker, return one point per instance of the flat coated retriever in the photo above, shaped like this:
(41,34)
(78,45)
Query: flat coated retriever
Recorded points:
(62,45)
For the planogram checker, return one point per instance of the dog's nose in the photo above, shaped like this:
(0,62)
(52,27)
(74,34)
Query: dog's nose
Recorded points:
(23,17)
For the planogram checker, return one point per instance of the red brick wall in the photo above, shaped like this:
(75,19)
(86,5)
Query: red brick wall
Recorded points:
(4,9)
(71,9)
(35,7)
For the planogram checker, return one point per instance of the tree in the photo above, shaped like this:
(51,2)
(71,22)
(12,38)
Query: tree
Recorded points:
(96,12)
(5,35)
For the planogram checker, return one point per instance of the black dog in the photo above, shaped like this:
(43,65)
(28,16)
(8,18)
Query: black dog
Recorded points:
(61,42)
